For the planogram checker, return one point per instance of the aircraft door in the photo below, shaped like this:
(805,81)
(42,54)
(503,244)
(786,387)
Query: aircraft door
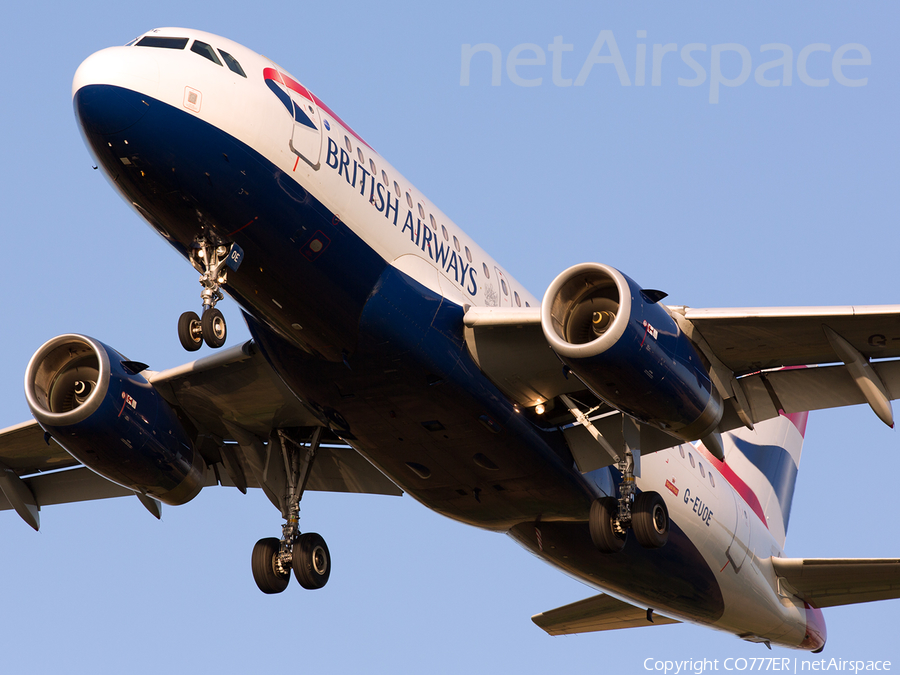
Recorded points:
(740,541)
(306,129)
(306,141)
(504,291)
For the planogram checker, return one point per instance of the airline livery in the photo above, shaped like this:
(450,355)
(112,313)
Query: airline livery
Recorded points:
(650,451)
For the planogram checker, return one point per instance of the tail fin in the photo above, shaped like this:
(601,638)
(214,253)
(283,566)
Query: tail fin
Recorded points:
(767,459)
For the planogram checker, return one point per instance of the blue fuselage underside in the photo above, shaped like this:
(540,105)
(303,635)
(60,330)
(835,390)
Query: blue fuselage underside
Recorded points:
(378,356)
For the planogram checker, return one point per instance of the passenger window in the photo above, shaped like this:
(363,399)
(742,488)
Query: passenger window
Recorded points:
(445,233)
(702,470)
(691,457)
(205,51)
(409,201)
(362,160)
(527,305)
(468,254)
(396,189)
(503,286)
(712,481)
(487,273)
(384,178)
(347,143)
(372,168)
(518,301)
(433,223)
(421,212)
(455,243)
(232,63)
(681,450)
(162,42)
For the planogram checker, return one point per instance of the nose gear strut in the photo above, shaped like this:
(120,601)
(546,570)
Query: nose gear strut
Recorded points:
(213,262)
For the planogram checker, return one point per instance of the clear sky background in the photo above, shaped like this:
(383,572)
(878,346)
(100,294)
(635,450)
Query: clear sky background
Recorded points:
(780,195)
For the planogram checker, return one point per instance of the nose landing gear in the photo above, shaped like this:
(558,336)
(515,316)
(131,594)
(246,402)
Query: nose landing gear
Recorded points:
(213,262)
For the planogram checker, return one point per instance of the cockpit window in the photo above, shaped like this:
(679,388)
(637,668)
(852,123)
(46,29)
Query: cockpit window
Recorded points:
(162,42)
(232,63)
(205,51)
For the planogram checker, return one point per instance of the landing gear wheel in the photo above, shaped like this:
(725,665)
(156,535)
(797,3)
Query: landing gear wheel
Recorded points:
(602,524)
(213,326)
(650,520)
(263,564)
(190,333)
(311,561)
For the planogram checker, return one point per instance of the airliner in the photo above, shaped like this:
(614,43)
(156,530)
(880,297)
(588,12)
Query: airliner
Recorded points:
(648,450)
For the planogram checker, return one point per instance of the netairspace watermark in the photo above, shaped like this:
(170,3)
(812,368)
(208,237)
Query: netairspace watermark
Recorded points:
(723,65)
(771,663)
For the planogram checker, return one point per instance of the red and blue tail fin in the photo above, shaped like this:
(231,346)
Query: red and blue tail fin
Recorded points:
(767,459)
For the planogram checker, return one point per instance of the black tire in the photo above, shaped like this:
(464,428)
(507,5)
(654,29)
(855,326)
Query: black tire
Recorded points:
(311,561)
(603,534)
(650,520)
(189,331)
(263,564)
(214,329)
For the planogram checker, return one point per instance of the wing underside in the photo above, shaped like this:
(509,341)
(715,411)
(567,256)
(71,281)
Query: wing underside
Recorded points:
(762,361)
(234,402)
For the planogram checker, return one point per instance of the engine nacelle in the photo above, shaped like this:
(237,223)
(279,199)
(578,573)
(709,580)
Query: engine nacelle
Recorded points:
(111,419)
(626,348)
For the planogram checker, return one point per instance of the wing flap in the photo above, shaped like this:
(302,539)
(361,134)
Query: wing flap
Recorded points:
(601,612)
(829,582)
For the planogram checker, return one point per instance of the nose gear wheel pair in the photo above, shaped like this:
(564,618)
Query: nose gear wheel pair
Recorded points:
(193,330)
(213,262)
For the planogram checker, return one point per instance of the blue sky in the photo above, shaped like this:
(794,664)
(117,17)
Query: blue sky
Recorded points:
(781,195)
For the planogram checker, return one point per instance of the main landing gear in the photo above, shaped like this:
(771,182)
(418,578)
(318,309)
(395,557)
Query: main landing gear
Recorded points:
(211,261)
(645,514)
(306,554)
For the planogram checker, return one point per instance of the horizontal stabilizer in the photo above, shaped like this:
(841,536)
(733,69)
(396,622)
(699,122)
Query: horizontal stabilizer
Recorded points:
(828,582)
(601,612)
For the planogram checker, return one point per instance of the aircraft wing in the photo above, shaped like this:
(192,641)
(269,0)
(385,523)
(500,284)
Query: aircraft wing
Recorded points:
(828,582)
(233,400)
(755,355)
(601,612)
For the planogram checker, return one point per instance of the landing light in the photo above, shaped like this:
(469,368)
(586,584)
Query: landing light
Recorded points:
(539,409)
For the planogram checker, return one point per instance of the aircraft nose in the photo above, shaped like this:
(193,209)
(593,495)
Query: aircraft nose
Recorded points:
(104,88)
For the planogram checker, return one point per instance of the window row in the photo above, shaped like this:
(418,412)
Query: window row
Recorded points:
(431,219)
(698,464)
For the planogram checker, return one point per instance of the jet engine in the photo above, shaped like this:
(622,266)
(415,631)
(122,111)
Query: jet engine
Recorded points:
(98,406)
(627,349)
